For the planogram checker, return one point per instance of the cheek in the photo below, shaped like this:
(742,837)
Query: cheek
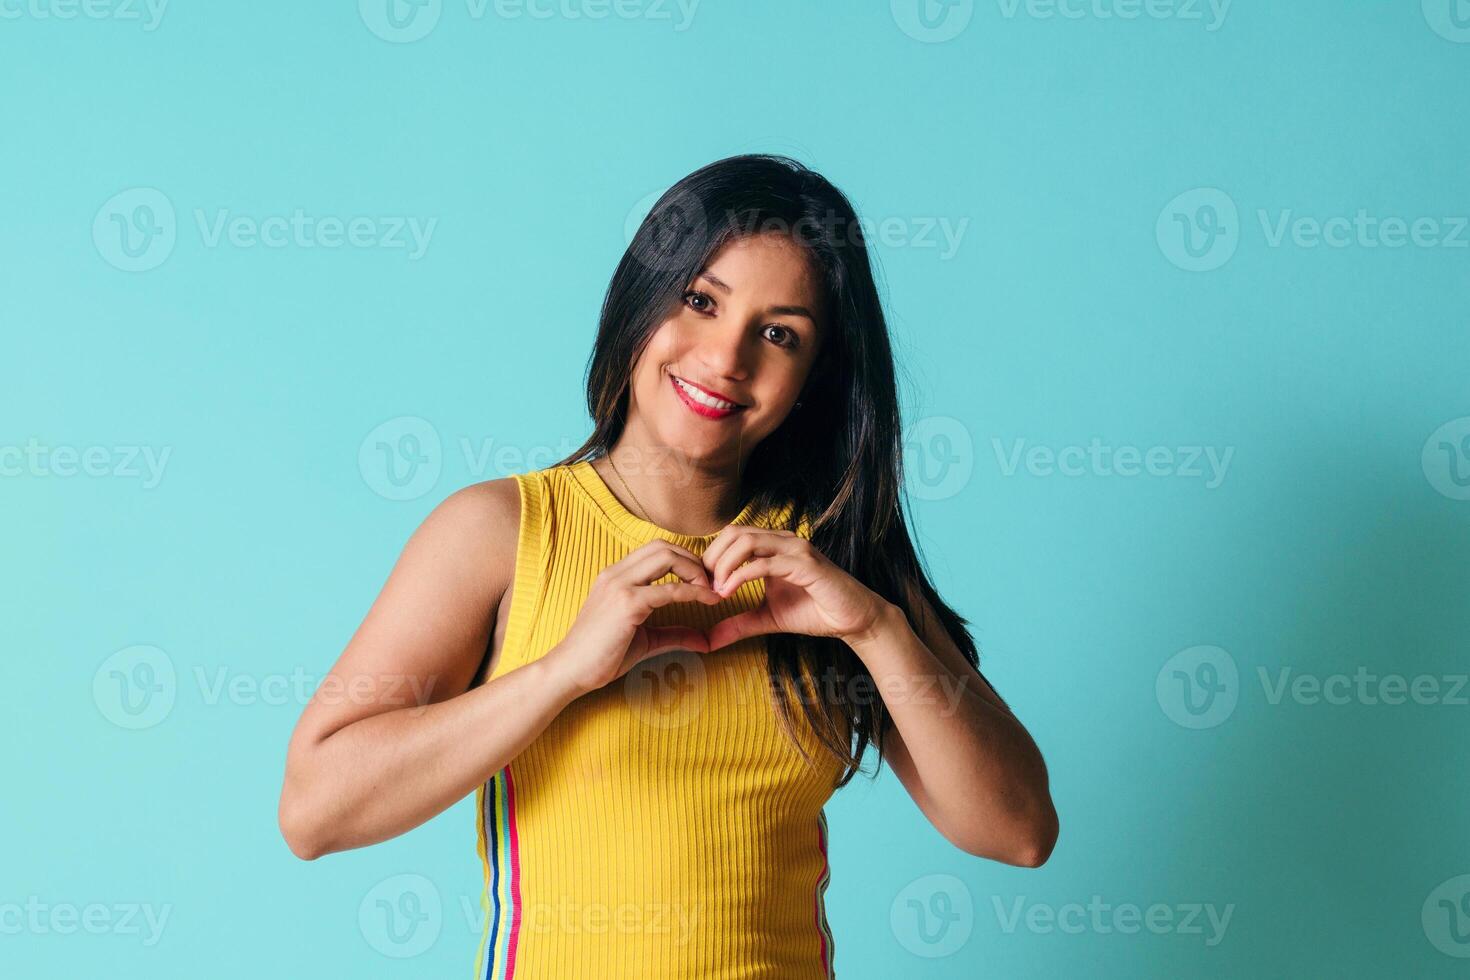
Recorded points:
(663,346)
(784,378)
(654,355)
(777,401)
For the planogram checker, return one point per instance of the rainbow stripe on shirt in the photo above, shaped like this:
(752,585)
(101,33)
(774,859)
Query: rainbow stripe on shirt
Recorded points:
(500,902)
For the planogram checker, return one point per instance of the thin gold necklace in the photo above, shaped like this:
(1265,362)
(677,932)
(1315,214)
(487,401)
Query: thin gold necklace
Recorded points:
(641,509)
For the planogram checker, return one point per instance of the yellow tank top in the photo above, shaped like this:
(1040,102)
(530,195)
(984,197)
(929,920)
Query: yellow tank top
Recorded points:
(663,826)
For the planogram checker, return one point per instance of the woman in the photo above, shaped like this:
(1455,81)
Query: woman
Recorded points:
(655,660)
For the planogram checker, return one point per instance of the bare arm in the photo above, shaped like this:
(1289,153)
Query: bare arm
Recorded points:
(393,736)
(963,756)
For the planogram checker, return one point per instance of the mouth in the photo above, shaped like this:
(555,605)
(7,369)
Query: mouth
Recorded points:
(702,402)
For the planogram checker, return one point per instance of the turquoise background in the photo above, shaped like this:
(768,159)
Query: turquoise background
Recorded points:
(1076,151)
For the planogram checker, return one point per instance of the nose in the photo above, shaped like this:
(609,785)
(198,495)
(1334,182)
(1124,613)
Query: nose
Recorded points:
(724,351)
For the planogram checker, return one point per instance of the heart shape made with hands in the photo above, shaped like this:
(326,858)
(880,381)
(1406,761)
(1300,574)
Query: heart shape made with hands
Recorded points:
(805,592)
(722,633)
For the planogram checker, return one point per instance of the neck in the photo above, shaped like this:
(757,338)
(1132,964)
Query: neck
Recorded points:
(672,489)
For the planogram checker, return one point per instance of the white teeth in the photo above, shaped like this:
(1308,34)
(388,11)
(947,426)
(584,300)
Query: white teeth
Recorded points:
(702,398)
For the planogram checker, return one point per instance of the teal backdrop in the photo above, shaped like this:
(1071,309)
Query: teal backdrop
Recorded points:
(1180,292)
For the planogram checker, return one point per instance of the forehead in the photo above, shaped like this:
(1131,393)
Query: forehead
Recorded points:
(770,265)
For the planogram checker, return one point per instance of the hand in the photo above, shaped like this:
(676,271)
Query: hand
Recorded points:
(805,591)
(608,637)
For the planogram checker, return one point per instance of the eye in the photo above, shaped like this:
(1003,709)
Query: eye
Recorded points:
(792,340)
(702,302)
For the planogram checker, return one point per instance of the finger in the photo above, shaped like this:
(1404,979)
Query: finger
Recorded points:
(737,532)
(741,550)
(715,548)
(721,545)
(662,639)
(656,546)
(653,596)
(738,555)
(733,629)
(726,539)
(772,567)
(661,561)
(662,544)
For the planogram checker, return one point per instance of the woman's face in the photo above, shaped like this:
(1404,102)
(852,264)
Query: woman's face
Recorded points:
(747,331)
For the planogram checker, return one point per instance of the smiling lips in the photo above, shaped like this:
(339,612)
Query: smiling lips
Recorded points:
(703,403)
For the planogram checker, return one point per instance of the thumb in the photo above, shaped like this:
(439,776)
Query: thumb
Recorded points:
(662,639)
(732,629)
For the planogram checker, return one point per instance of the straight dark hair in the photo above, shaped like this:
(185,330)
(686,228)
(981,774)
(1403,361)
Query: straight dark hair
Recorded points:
(838,459)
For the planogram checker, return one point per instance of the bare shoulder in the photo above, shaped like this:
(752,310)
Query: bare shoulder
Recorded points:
(480,509)
(475,528)
(432,620)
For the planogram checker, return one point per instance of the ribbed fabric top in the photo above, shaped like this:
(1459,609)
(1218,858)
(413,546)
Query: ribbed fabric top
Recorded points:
(663,826)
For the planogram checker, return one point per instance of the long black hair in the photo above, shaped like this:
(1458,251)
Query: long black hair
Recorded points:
(839,458)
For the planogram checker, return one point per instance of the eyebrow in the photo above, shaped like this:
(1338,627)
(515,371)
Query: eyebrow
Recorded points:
(789,310)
